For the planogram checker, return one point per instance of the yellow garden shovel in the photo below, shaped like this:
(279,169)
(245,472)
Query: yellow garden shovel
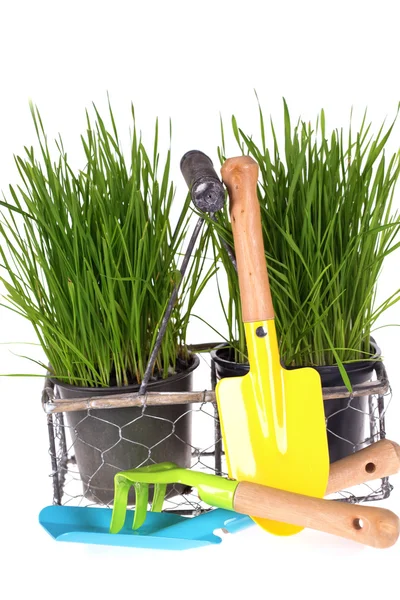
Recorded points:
(272,419)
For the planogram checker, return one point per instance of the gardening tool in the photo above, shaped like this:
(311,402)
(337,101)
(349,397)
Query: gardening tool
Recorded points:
(162,531)
(205,188)
(208,195)
(375,527)
(272,419)
(168,530)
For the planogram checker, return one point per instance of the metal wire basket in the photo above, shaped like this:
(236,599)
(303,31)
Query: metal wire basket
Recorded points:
(206,446)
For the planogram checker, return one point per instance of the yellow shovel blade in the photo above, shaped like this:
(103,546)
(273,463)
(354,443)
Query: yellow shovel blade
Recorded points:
(273,424)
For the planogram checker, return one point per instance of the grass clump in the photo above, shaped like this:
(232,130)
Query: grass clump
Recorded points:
(328,224)
(90,256)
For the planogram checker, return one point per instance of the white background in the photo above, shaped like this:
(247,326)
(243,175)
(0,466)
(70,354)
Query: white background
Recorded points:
(189,62)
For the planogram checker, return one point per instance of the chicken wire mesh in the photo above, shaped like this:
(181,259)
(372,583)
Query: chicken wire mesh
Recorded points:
(196,445)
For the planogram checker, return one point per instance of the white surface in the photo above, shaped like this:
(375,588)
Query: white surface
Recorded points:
(188,61)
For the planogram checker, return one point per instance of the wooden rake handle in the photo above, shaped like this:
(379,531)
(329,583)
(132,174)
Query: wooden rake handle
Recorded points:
(377,527)
(372,526)
(240,176)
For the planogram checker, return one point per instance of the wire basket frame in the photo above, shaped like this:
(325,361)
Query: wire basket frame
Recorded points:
(206,447)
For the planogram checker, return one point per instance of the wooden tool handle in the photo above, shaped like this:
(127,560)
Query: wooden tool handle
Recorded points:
(372,526)
(240,176)
(381,459)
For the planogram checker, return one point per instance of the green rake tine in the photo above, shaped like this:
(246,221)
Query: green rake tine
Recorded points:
(121,491)
(141,502)
(160,489)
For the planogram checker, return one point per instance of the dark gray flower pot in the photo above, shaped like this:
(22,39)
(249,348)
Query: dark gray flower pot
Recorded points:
(110,440)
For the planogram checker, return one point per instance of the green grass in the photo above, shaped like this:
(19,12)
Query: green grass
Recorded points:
(328,224)
(89,256)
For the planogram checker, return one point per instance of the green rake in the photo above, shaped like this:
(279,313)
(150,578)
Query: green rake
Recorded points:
(372,526)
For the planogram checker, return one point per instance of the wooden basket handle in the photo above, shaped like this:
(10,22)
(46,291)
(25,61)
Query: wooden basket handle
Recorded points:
(240,175)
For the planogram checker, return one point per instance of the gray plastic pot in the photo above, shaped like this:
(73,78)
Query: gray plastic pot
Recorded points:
(110,440)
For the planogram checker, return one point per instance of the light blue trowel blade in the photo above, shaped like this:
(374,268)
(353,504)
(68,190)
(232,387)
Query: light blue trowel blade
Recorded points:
(168,531)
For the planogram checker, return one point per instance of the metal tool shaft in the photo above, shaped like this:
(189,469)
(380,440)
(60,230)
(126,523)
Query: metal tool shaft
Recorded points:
(172,300)
(208,195)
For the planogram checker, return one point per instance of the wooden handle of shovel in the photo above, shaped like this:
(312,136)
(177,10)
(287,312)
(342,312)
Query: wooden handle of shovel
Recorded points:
(372,526)
(381,459)
(240,175)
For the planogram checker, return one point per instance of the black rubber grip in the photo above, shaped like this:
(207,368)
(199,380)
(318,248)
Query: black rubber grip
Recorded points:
(206,188)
